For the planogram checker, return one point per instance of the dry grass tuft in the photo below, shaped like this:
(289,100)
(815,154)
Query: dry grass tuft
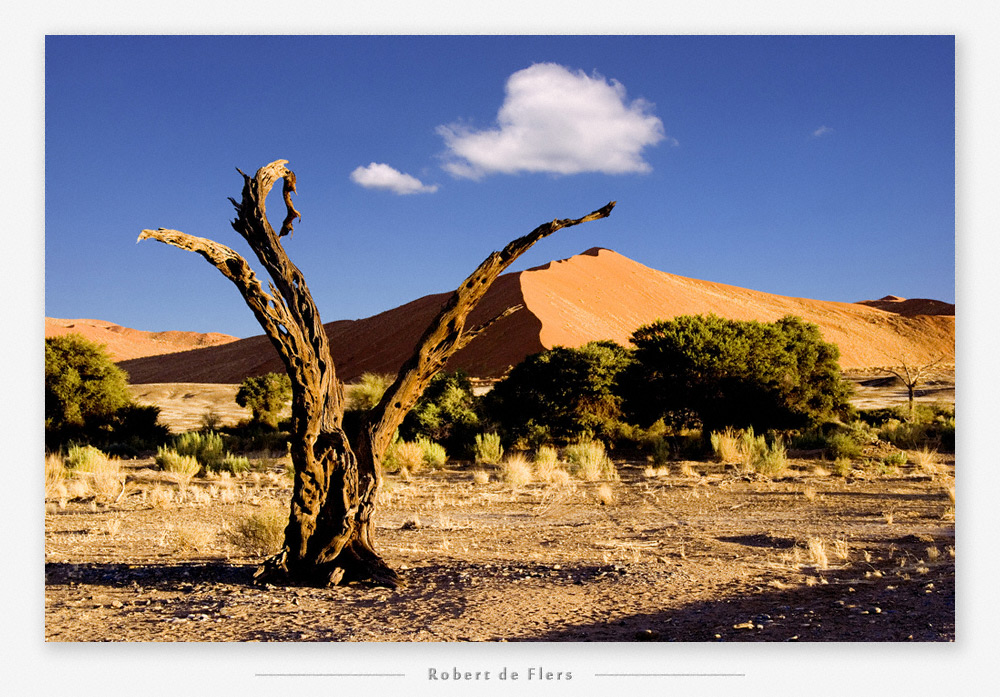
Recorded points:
(685,469)
(55,476)
(817,552)
(480,477)
(726,446)
(516,471)
(926,460)
(403,455)
(102,476)
(605,495)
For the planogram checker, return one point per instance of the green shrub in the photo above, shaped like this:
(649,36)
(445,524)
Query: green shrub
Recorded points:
(842,467)
(446,413)
(560,395)
(84,458)
(170,460)
(720,372)
(893,460)
(265,396)
(589,461)
(434,455)
(87,400)
(365,395)
(207,448)
(842,445)
(488,449)
(234,464)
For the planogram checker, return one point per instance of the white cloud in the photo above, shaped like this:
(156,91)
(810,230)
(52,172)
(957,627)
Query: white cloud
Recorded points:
(382,176)
(558,121)
(822,131)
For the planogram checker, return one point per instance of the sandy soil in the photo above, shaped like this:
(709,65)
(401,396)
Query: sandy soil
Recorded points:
(704,557)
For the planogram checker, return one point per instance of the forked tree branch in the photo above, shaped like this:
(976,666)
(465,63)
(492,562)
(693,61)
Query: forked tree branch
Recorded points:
(270,312)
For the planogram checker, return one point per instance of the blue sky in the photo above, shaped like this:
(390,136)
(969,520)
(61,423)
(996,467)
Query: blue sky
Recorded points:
(815,166)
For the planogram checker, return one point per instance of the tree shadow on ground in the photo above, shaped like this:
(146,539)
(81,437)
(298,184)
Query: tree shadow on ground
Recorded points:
(158,576)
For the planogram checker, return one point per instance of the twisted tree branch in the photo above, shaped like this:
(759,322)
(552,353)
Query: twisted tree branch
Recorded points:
(444,335)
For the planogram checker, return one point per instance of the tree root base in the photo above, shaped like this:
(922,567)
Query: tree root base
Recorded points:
(349,568)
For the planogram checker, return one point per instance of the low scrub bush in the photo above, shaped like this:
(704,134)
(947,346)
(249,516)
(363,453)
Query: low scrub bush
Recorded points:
(102,476)
(234,464)
(403,456)
(727,445)
(365,395)
(771,461)
(262,533)
(433,453)
(488,449)
(589,461)
(546,456)
(84,458)
(207,448)
(184,466)
(842,445)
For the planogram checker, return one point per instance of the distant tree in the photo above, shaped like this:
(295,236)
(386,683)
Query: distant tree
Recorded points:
(84,389)
(913,374)
(265,395)
(720,372)
(560,394)
(446,413)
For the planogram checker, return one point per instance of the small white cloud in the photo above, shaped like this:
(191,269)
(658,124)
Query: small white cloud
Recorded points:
(822,131)
(558,121)
(382,176)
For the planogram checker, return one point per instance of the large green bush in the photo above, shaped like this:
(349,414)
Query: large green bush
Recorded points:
(445,413)
(560,395)
(715,372)
(265,396)
(87,399)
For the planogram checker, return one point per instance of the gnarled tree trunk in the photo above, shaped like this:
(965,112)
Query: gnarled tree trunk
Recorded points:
(329,539)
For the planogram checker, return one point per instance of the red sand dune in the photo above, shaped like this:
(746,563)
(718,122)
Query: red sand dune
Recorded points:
(595,295)
(123,343)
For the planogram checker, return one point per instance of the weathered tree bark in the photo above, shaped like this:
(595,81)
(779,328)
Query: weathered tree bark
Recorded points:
(329,538)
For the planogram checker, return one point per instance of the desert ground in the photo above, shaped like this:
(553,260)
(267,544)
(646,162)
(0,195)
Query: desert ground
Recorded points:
(690,552)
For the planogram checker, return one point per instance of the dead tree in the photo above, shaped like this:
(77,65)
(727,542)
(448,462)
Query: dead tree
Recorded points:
(913,374)
(329,539)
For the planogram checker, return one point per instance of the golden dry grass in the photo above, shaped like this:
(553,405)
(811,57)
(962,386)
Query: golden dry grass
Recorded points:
(516,471)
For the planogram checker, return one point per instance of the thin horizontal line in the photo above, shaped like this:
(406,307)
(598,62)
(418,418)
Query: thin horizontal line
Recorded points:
(670,675)
(330,675)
